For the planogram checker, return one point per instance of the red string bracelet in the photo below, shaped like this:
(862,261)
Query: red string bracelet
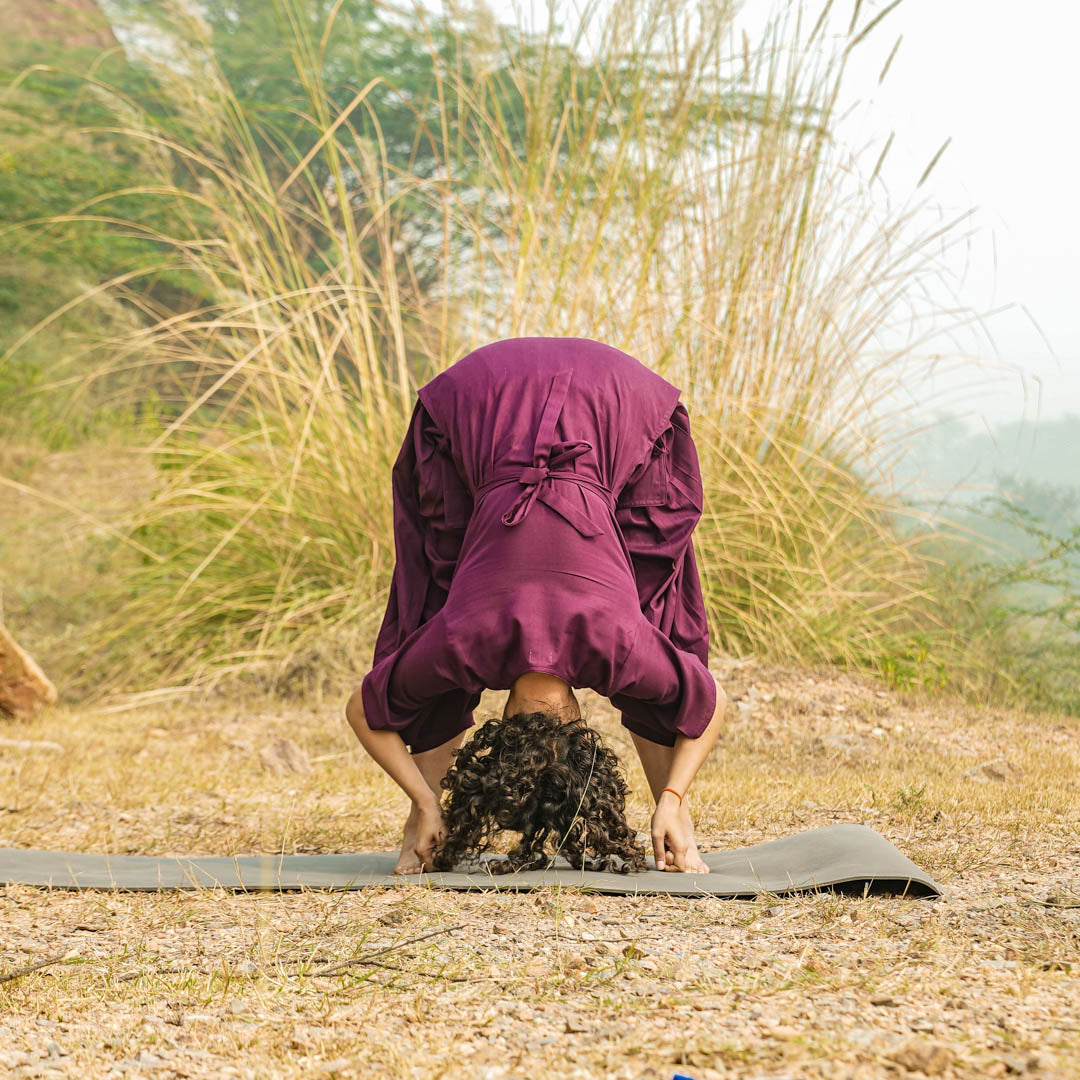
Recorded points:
(673,792)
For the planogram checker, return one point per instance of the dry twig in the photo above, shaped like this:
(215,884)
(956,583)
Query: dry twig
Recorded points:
(37,965)
(334,969)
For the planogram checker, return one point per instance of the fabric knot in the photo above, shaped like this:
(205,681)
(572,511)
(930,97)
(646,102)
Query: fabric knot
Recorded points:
(534,474)
(549,461)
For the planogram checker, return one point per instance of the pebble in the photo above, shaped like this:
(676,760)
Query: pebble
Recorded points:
(1021,1063)
(929,1058)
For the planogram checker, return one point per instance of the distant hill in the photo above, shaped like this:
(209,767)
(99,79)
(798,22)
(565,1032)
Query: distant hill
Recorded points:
(951,460)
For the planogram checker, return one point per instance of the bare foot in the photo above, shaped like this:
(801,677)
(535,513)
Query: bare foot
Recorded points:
(694,865)
(408,861)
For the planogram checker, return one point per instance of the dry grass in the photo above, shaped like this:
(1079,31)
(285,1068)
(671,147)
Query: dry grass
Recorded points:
(556,983)
(675,193)
(59,552)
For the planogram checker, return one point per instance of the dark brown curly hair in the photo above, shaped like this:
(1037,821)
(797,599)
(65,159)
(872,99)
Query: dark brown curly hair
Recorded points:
(533,774)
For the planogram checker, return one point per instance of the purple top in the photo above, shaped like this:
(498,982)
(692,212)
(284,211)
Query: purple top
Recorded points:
(544,501)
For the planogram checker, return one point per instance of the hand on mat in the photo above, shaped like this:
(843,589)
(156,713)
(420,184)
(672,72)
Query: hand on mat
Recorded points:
(674,847)
(423,831)
(430,832)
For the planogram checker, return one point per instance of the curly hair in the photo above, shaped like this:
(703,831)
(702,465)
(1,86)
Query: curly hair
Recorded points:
(545,779)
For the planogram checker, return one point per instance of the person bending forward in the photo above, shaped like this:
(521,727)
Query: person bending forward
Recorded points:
(545,496)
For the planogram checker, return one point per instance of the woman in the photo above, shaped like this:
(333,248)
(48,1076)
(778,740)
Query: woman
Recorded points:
(544,500)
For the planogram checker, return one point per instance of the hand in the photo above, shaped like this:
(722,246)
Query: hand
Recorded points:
(430,833)
(671,834)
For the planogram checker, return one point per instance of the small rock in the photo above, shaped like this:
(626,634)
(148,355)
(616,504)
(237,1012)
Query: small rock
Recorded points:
(502,928)
(884,1000)
(785,1031)
(999,770)
(576,963)
(284,756)
(1022,1063)
(648,965)
(574,1026)
(929,1058)
(146,1060)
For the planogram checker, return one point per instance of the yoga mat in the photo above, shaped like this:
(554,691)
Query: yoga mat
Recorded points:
(851,858)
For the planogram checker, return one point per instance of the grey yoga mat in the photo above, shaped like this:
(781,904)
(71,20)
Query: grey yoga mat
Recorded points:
(851,858)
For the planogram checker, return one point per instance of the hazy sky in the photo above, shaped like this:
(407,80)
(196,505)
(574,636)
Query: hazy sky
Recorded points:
(1001,80)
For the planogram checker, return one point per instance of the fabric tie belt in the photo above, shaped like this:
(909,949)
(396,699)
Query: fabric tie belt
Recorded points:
(548,457)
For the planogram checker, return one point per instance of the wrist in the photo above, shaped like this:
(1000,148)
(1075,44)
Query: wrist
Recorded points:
(669,796)
(429,803)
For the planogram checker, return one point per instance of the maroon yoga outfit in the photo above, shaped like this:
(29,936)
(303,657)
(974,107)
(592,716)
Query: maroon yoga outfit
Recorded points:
(544,501)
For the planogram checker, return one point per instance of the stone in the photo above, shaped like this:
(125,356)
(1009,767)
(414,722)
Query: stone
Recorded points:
(284,756)
(1022,1063)
(929,1058)
(998,769)
(24,687)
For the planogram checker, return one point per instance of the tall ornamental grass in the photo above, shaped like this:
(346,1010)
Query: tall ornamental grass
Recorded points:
(675,191)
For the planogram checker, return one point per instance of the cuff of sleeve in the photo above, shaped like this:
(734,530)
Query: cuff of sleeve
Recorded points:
(662,721)
(437,722)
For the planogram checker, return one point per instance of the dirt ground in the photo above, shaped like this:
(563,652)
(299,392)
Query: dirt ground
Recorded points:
(556,983)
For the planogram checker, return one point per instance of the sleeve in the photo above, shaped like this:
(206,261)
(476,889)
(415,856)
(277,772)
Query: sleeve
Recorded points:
(657,512)
(671,690)
(432,506)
